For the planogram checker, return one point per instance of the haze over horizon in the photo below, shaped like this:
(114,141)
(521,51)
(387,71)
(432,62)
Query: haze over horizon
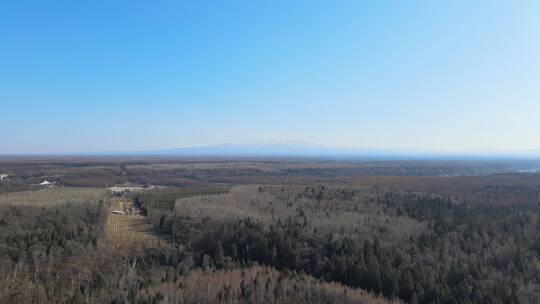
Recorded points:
(78,77)
(300,149)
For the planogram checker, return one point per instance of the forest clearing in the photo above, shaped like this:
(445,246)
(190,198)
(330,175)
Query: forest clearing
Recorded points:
(129,228)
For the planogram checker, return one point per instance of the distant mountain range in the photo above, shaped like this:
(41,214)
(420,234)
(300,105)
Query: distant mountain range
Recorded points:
(302,149)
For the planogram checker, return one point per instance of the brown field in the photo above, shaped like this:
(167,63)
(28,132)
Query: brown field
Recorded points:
(126,231)
(54,196)
(129,230)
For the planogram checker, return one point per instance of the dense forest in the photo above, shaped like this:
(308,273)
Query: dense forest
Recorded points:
(448,251)
(308,239)
(53,251)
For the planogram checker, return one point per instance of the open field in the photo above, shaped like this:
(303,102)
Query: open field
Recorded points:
(54,196)
(126,231)
(130,229)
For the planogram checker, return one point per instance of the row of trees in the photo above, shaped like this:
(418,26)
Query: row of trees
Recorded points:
(258,285)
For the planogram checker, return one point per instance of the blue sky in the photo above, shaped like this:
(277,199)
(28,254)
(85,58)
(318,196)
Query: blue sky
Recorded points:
(137,75)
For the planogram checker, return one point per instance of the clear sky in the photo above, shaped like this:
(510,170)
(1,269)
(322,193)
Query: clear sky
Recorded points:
(137,75)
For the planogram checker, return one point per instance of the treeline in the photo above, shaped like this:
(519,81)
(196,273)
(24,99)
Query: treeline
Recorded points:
(165,199)
(257,285)
(99,172)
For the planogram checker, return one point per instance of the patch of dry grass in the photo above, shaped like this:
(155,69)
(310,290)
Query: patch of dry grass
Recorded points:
(53,196)
(126,231)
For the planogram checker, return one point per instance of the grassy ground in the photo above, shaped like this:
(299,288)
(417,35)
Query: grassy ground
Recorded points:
(126,231)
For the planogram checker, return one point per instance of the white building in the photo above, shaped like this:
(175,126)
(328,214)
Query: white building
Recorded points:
(3,176)
(124,189)
(47,183)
